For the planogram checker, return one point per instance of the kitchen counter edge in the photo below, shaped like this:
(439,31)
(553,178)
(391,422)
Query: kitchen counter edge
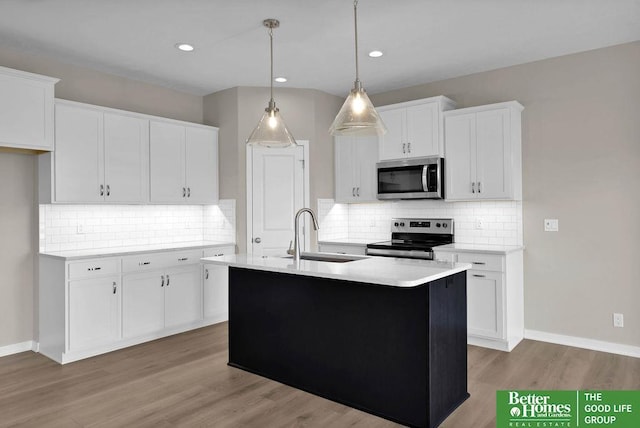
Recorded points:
(479,248)
(387,271)
(127,251)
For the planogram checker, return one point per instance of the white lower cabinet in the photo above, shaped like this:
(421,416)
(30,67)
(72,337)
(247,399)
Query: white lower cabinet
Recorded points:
(484,314)
(94,312)
(215,291)
(158,300)
(143,310)
(183,296)
(495,297)
(91,306)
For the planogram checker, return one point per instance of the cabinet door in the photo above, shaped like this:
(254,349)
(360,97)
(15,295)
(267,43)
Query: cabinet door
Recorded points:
(166,162)
(79,157)
(422,130)
(484,304)
(142,303)
(26,111)
(201,165)
(366,156)
(126,142)
(392,143)
(493,153)
(345,181)
(94,312)
(183,296)
(216,292)
(460,159)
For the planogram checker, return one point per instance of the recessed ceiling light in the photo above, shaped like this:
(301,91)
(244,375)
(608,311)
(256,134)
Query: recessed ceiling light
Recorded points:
(280,79)
(375,54)
(185,47)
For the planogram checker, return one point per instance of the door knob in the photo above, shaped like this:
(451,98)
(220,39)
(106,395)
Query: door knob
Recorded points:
(257,240)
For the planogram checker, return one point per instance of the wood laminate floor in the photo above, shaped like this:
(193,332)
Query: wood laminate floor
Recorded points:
(184,380)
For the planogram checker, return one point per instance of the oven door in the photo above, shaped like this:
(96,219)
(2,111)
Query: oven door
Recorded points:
(419,178)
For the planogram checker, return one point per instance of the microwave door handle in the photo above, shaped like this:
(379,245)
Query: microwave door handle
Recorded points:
(425,178)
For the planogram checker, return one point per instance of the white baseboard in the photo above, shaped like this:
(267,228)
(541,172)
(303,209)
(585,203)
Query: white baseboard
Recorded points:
(581,342)
(16,348)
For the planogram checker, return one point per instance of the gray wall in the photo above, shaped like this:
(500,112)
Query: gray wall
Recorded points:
(18,176)
(581,161)
(308,114)
(18,246)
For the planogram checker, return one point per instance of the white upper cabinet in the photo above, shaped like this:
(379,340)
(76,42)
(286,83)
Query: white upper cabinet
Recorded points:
(100,156)
(414,129)
(201,160)
(78,160)
(484,152)
(167,162)
(126,151)
(105,155)
(183,163)
(26,110)
(355,169)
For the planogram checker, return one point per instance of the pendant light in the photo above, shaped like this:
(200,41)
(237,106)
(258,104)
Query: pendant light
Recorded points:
(357,115)
(271,130)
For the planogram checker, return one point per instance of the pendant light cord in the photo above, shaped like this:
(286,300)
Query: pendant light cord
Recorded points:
(271,53)
(355,22)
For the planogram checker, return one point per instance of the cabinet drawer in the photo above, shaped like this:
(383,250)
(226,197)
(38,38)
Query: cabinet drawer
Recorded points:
(183,258)
(490,262)
(219,251)
(144,262)
(94,268)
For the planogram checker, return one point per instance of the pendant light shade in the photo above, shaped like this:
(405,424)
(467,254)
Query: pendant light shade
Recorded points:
(357,115)
(271,130)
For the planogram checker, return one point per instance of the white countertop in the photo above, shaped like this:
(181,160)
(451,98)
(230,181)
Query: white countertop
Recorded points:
(374,270)
(349,241)
(479,248)
(133,249)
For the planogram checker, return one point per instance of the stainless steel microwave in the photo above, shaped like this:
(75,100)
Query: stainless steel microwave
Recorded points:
(418,178)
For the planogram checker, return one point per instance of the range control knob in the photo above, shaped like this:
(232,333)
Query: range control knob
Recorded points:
(437,224)
(402,224)
(395,224)
(444,225)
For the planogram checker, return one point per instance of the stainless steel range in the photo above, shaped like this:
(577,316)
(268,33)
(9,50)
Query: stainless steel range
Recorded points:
(414,238)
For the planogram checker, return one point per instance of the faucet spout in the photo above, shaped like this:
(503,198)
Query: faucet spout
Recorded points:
(296,239)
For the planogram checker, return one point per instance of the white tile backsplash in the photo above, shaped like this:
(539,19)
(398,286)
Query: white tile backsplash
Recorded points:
(108,226)
(502,220)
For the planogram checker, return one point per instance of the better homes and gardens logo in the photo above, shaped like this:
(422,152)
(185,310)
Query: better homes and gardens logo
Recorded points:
(546,409)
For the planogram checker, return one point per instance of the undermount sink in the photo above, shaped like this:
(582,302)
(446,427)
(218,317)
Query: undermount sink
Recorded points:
(328,257)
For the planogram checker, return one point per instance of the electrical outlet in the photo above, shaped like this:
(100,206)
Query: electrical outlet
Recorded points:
(479,223)
(82,228)
(551,225)
(618,320)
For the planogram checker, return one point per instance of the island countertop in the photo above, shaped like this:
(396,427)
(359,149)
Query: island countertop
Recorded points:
(396,272)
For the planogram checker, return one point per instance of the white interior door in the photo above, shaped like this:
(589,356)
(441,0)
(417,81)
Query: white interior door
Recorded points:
(277,193)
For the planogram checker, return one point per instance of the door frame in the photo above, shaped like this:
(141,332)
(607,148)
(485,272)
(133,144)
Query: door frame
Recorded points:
(306,196)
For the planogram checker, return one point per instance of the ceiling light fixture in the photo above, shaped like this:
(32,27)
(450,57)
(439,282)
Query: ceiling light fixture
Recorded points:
(375,54)
(271,130)
(280,79)
(357,115)
(185,47)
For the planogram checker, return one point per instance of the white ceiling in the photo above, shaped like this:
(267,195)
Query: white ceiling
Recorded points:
(423,40)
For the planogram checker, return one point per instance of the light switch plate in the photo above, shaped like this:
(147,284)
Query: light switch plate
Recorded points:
(550,224)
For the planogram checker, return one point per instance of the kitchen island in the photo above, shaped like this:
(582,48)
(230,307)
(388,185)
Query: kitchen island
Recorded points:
(383,335)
